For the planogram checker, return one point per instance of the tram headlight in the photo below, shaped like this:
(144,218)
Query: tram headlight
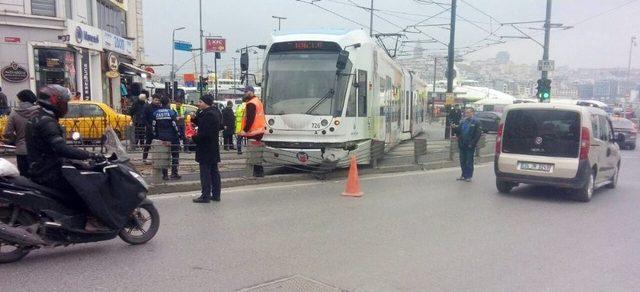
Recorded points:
(324,123)
(271,122)
(336,122)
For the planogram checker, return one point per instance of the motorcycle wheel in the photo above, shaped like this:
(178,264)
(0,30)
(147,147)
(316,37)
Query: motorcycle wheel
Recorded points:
(10,253)
(145,222)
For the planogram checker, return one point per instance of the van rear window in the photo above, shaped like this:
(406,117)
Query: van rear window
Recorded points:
(542,132)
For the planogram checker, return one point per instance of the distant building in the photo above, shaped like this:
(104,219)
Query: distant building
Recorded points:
(605,90)
(585,91)
(503,58)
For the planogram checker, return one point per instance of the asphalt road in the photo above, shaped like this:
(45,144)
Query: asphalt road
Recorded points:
(419,231)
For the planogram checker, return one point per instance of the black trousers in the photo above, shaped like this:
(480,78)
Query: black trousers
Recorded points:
(210,181)
(147,142)
(228,141)
(23,165)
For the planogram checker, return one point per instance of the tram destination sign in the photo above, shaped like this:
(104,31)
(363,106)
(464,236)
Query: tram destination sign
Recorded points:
(305,46)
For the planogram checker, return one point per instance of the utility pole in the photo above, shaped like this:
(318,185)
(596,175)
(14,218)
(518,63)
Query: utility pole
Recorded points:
(235,86)
(215,71)
(173,56)
(547,35)
(371,21)
(435,65)
(450,62)
(201,53)
(279,18)
(624,104)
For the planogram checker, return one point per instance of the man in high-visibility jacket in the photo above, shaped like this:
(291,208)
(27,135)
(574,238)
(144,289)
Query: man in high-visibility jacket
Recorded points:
(180,122)
(239,116)
(253,123)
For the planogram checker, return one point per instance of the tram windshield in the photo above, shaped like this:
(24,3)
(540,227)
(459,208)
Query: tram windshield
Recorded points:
(305,83)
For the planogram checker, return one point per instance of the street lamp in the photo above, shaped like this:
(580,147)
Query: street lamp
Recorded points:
(173,53)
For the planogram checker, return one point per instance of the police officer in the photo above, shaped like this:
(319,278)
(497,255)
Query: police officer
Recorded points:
(166,129)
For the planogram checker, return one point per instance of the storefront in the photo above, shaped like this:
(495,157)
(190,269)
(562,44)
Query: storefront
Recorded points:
(87,42)
(121,79)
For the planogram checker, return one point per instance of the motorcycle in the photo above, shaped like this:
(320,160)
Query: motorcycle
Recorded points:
(31,216)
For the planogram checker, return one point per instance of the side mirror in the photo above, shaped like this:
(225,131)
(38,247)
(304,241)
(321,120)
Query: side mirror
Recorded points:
(244,61)
(343,59)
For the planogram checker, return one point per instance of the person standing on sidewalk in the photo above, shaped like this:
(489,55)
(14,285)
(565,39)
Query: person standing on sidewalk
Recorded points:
(207,149)
(165,129)
(149,110)
(137,113)
(14,131)
(229,126)
(239,116)
(4,104)
(253,123)
(468,133)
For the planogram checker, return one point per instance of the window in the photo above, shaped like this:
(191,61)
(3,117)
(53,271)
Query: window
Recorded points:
(352,102)
(91,111)
(67,9)
(605,133)
(55,66)
(43,7)
(595,127)
(111,19)
(362,93)
(90,12)
(74,111)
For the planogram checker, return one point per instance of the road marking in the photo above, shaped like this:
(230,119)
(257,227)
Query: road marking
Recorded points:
(311,183)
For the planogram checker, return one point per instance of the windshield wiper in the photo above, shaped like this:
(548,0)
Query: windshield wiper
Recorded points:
(319,102)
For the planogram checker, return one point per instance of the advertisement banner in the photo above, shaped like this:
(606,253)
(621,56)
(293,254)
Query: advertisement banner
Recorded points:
(86,76)
(215,45)
(84,36)
(117,44)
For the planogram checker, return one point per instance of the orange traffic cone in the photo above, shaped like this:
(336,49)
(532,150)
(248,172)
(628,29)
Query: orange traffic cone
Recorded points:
(353,182)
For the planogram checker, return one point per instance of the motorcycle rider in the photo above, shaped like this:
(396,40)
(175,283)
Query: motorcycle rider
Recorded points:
(47,147)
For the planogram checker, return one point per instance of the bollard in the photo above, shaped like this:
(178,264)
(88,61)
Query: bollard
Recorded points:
(255,149)
(160,158)
(453,148)
(419,148)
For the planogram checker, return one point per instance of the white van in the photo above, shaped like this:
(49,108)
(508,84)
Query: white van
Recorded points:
(566,146)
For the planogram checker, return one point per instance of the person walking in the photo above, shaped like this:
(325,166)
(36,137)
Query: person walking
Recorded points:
(253,123)
(149,110)
(239,116)
(208,120)
(14,131)
(468,133)
(4,104)
(137,113)
(228,126)
(165,129)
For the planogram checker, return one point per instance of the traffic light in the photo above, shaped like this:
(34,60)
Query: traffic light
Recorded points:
(544,90)
(203,83)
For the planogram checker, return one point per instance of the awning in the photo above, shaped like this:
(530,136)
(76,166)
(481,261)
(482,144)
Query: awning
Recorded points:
(129,69)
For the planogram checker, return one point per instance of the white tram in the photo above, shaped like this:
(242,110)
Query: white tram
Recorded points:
(332,94)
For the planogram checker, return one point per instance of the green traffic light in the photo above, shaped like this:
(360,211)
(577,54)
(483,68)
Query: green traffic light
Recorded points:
(545,95)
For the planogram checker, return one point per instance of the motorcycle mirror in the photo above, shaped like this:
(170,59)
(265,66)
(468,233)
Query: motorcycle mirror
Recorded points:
(75,136)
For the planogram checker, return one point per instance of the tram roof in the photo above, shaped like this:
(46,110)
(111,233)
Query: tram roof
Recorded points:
(343,37)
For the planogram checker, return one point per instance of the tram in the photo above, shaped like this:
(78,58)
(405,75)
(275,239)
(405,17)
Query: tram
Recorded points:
(333,94)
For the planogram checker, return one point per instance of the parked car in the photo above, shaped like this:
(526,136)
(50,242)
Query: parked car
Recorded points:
(566,146)
(90,119)
(488,120)
(628,130)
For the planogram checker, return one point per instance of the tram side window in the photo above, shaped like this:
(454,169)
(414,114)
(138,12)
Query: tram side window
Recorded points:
(351,104)
(362,93)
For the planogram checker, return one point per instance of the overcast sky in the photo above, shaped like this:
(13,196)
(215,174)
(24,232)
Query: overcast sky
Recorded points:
(600,38)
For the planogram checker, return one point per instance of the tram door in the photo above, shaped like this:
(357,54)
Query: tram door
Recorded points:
(407,105)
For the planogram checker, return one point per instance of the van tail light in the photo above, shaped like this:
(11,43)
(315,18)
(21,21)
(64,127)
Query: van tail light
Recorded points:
(499,139)
(585,143)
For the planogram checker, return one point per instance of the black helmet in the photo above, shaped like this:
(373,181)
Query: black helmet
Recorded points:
(54,98)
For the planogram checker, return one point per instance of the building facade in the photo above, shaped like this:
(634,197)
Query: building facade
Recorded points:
(89,46)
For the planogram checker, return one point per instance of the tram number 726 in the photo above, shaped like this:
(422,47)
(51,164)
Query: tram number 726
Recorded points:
(315,125)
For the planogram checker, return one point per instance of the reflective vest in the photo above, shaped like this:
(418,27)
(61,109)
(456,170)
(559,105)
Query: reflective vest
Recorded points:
(259,122)
(239,117)
(180,111)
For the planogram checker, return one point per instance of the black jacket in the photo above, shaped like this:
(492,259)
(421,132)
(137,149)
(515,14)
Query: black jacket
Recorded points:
(206,140)
(164,125)
(138,112)
(46,148)
(228,121)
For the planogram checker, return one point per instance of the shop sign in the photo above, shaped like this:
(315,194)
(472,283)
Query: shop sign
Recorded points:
(117,44)
(86,73)
(215,45)
(14,73)
(15,40)
(84,36)
(112,61)
(122,4)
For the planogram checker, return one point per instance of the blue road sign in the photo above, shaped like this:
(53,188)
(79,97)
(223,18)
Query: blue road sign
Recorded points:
(182,46)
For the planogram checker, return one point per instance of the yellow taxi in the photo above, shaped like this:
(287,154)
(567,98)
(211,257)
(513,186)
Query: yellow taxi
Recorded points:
(90,119)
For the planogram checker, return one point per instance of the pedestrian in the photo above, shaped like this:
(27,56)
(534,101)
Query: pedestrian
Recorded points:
(208,120)
(4,104)
(137,113)
(253,123)
(165,129)
(14,131)
(229,126)
(239,116)
(149,111)
(468,133)
(180,121)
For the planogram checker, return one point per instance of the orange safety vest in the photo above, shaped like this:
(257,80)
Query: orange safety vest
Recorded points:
(259,122)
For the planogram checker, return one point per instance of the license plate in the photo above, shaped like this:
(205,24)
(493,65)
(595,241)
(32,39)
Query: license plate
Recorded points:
(542,167)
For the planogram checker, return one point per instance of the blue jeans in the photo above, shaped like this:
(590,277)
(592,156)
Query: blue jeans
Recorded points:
(466,161)
(239,141)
